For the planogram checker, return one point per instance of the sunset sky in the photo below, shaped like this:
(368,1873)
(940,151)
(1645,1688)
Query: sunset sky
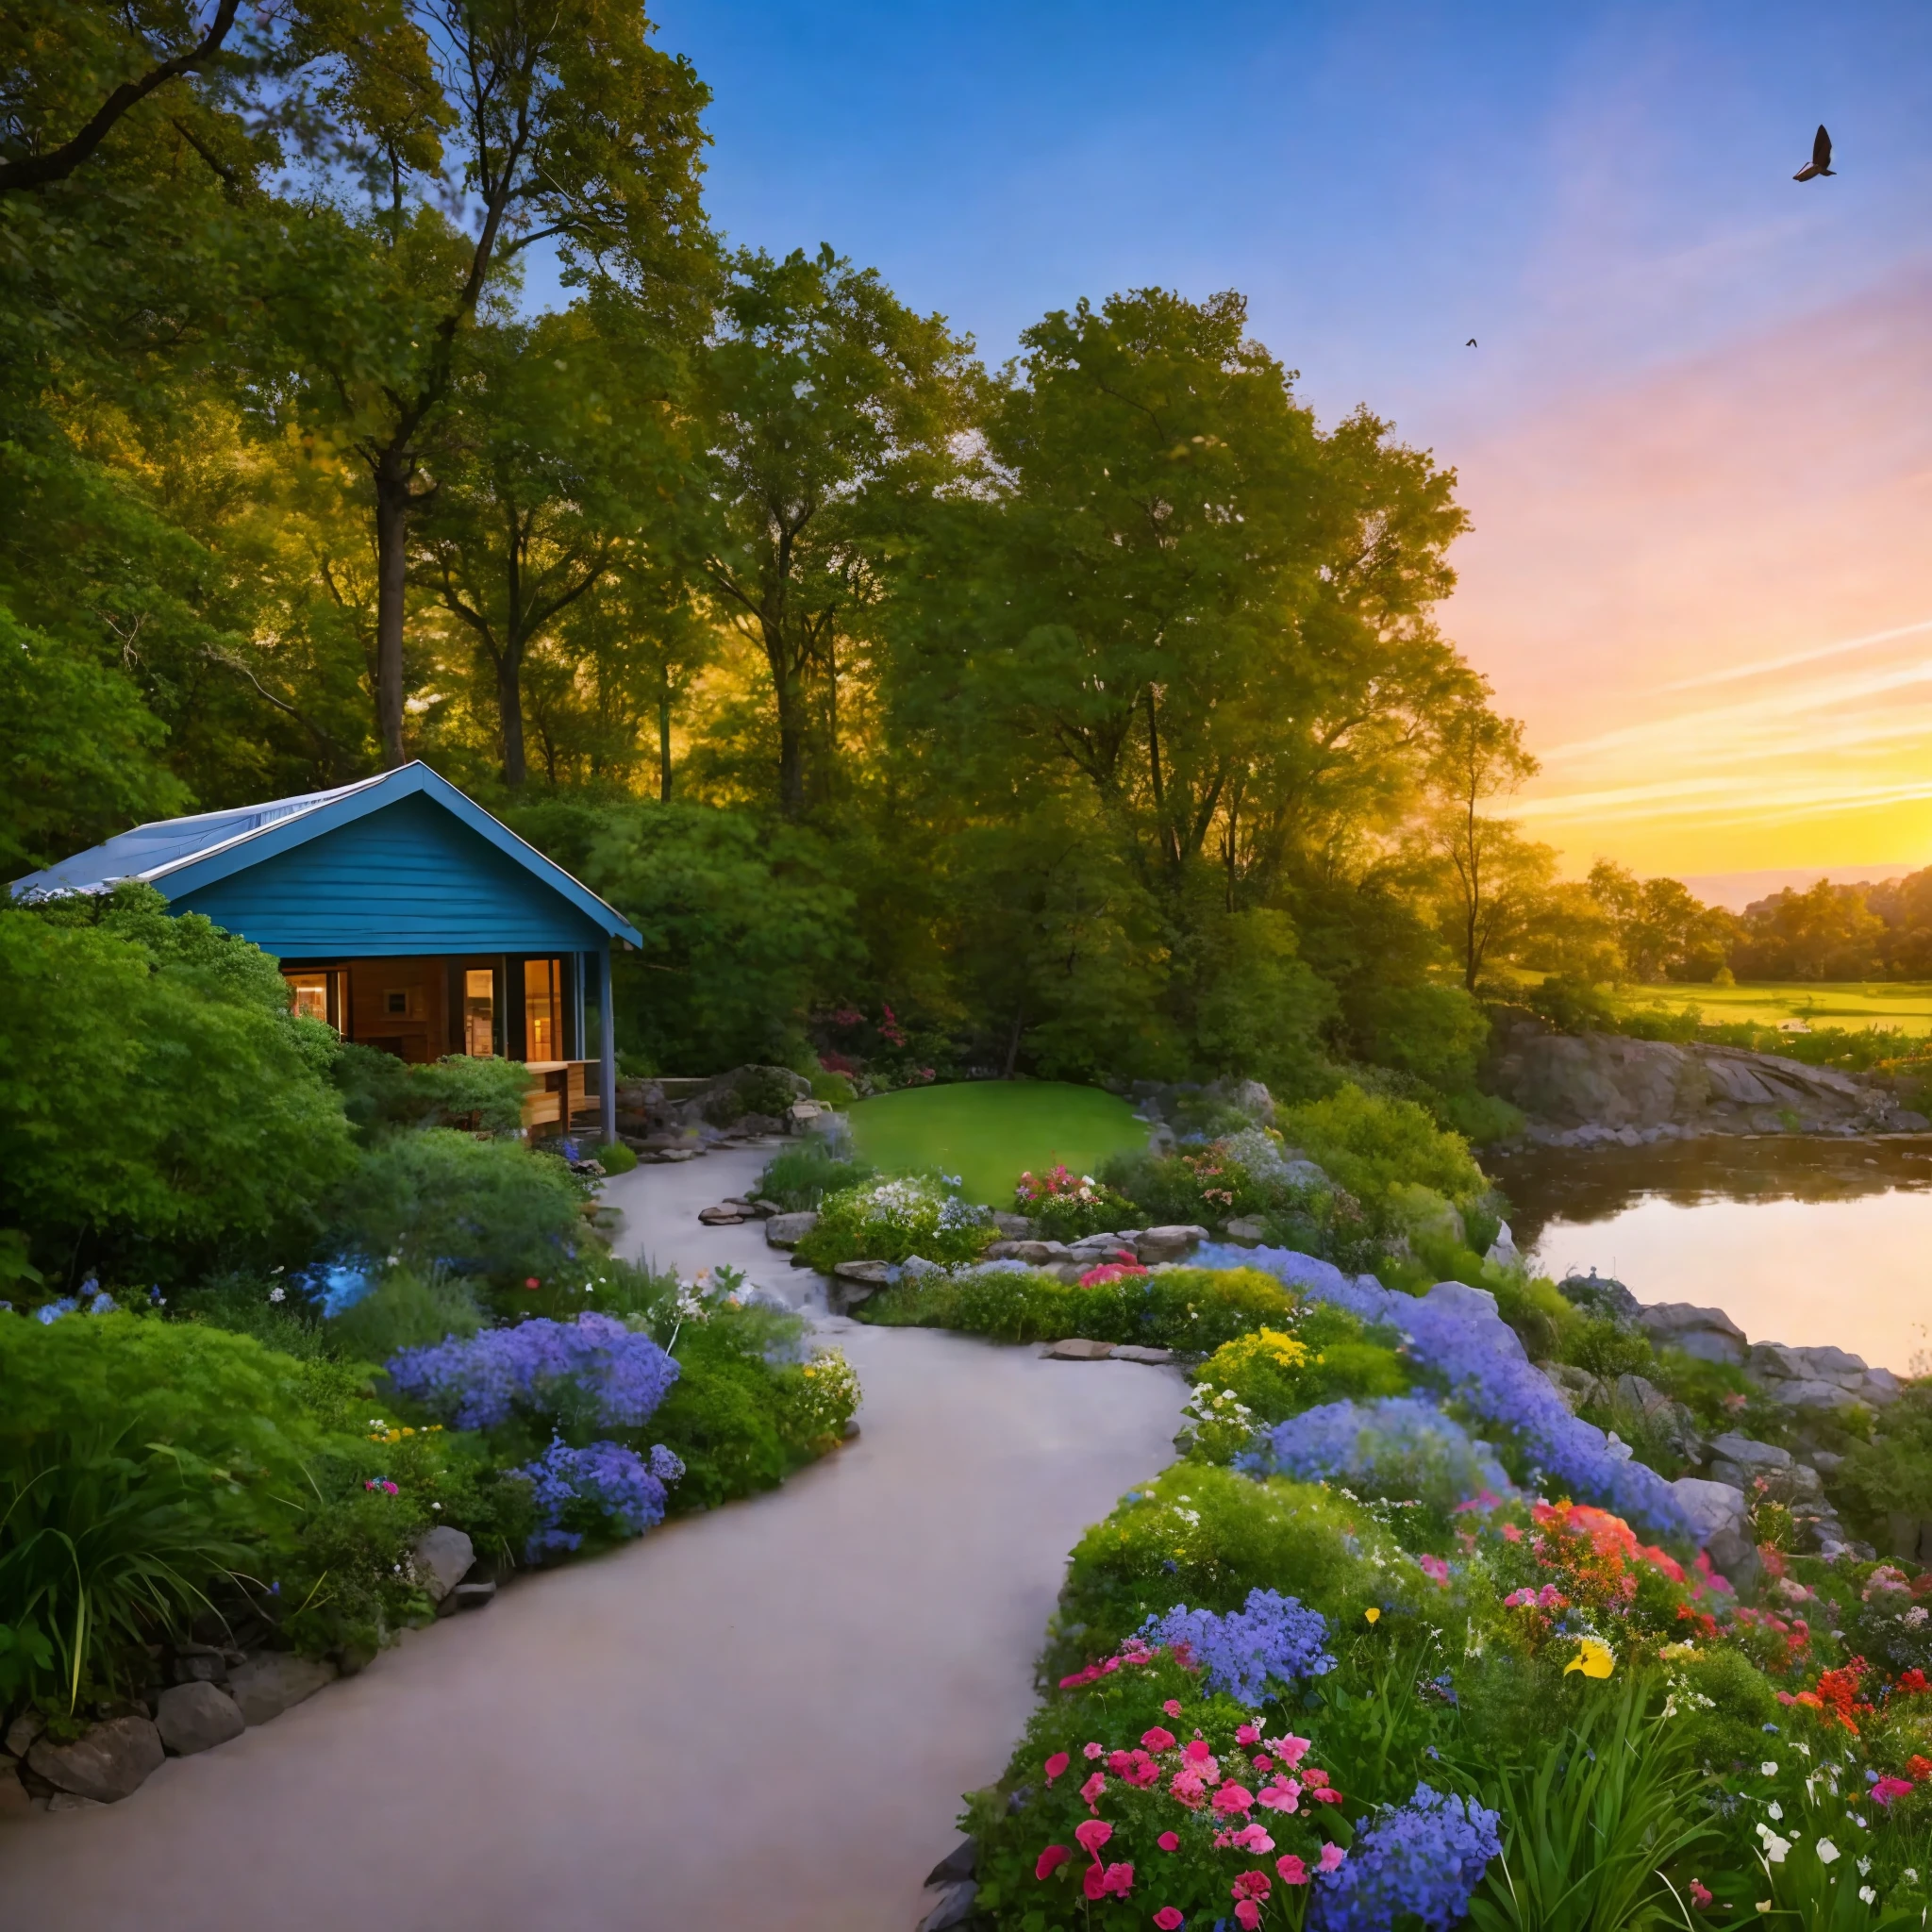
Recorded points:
(1696,434)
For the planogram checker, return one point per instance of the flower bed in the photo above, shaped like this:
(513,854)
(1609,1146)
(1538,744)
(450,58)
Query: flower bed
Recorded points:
(891,1220)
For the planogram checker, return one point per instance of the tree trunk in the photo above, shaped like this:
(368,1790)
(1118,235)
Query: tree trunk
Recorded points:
(1013,1039)
(509,706)
(391,471)
(664,739)
(793,728)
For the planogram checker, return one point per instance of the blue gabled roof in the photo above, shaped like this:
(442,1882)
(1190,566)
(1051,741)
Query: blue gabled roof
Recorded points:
(180,856)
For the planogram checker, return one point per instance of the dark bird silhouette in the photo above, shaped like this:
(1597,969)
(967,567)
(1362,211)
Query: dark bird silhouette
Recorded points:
(1820,158)
(1472,341)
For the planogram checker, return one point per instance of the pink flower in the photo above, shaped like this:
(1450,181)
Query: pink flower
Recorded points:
(1291,1750)
(1092,1789)
(1168,1919)
(1700,1896)
(1263,1762)
(1093,1751)
(1293,1871)
(1055,1764)
(1511,1533)
(1120,1881)
(1139,1769)
(1169,1840)
(1233,1798)
(1157,1740)
(1331,1857)
(1247,1914)
(1195,1751)
(1327,1794)
(1051,1861)
(1434,1568)
(1284,1795)
(1186,1789)
(1252,1838)
(1252,1885)
(1887,1789)
(1248,1734)
(1173,1707)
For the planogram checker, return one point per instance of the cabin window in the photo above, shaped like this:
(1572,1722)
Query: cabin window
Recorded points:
(543,1009)
(317,996)
(480,1012)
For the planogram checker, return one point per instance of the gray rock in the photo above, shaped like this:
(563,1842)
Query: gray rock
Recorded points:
(14,1801)
(864,1273)
(963,1861)
(1070,1273)
(444,1556)
(1013,1227)
(103,1763)
(1035,1254)
(914,1266)
(1734,1556)
(1711,1507)
(1578,1387)
(22,1732)
(1708,1334)
(953,1909)
(1644,1396)
(474,1596)
(196,1717)
(788,1230)
(723,1216)
(1503,1251)
(1819,1395)
(1747,1454)
(1247,1230)
(73,1801)
(1479,1307)
(1134,1352)
(1600,1295)
(1880,1387)
(1168,1243)
(1105,1246)
(1078,1348)
(271,1681)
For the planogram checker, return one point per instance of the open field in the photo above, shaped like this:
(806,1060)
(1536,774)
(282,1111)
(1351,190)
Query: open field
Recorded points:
(987,1131)
(1904,1004)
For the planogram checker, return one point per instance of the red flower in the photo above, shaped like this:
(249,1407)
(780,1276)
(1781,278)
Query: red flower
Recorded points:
(1092,1789)
(532,1282)
(1912,1683)
(1169,1841)
(1051,1861)
(1252,1885)
(1168,1919)
(1293,1871)
(1231,1797)
(1700,1896)
(1091,1834)
(1157,1740)
(1090,1752)
(1055,1764)
(1917,1767)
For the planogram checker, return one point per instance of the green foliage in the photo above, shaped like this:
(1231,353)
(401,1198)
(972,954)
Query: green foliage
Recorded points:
(492,1209)
(722,1417)
(405,1309)
(1331,1360)
(804,1173)
(1571,1006)
(1892,1474)
(1609,1349)
(1722,1721)
(1369,1145)
(382,1094)
(260,1306)
(1435,1032)
(614,1158)
(156,1094)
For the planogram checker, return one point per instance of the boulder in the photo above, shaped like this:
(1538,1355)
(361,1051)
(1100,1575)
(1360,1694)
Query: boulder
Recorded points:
(1578,1387)
(1711,1507)
(751,1126)
(73,1801)
(725,1214)
(865,1274)
(1479,1308)
(105,1763)
(22,1732)
(1501,1253)
(1246,1230)
(1600,1295)
(1168,1243)
(1758,1457)
(764,1210)
(1734,1556)
(1135,1352)
(963,1861)
(1072,1272)
(271,1681)
(196,1717)
(444,1556)
(1078,1348)
(1809,1394)
(1709,1334)
(14,1801)
(1013,1227)
(788,1230)
(914,1267)
(1035,1254)
(953,1909)
(473,1596)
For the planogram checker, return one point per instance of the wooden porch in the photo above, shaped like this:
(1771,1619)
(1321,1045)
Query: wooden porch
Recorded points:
(562,1099)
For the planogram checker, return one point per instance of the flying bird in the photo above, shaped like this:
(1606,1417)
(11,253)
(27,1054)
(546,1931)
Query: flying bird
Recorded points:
(1820,158)
(1472,343)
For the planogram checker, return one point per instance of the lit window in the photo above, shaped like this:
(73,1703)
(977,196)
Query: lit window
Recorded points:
(308,993)
(480,1012)
(541,1011)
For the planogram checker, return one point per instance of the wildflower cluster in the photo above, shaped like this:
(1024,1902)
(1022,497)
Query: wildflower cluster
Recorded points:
(893,1220)
(1271,1640)
(1421,1862)
(604,1491)
(1067,1206)
(1399,1448)
(593,1371)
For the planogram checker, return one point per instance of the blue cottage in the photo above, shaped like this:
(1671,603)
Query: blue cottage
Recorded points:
(404,916)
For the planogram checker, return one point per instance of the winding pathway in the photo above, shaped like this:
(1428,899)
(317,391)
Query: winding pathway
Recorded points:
(761,1717)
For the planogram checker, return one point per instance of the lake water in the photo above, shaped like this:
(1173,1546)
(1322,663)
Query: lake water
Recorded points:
(1799,1241)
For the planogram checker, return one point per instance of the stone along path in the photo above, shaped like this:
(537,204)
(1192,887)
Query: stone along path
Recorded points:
(763,1716)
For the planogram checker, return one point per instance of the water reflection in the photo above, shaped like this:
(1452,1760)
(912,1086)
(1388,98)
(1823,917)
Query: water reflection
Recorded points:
(1799,1241)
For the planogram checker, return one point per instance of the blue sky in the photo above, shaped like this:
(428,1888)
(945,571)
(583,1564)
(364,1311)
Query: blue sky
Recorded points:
(1696,434)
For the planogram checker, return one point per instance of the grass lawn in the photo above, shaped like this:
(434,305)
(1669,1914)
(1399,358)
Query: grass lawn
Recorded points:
(988,1131)
(1906,1004)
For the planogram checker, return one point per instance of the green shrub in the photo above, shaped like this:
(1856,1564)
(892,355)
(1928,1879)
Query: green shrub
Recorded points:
(889,1220)
(1532,1306)
(1607,1350)
(803,1174)
(157,1098)
(405,1310)
(1722,1720)
(1326,1358)
(1892,1474)
(262,1305)
(615,1157)
(721,1417)
(1369,1143)
(492,1209)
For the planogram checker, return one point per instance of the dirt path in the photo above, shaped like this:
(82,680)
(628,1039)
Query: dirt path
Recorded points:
(762,1717)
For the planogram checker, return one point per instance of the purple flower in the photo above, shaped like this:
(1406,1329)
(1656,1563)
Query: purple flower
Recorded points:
(1399,1446)
(594,1371)
(1420,1861)
(1271,1636)
(1456,1331)
(605,1489)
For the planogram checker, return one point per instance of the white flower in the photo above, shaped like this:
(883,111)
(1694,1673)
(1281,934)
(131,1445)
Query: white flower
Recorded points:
(1778,1811)
(1767,1768)
(1870,1898)
(436,1506)
(1828,1852)
(1775,1846)
(1864,1866)
(275,1295)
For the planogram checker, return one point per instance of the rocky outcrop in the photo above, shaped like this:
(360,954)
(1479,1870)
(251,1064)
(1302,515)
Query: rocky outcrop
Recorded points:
(675,1120)
(105,1763)
(1593,1087)
(196,1717)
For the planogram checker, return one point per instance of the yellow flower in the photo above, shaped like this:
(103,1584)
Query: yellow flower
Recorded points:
(1594,1659)
(1373,1616)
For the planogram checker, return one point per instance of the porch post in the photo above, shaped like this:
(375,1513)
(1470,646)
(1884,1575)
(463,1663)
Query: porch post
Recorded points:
(606,1049)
